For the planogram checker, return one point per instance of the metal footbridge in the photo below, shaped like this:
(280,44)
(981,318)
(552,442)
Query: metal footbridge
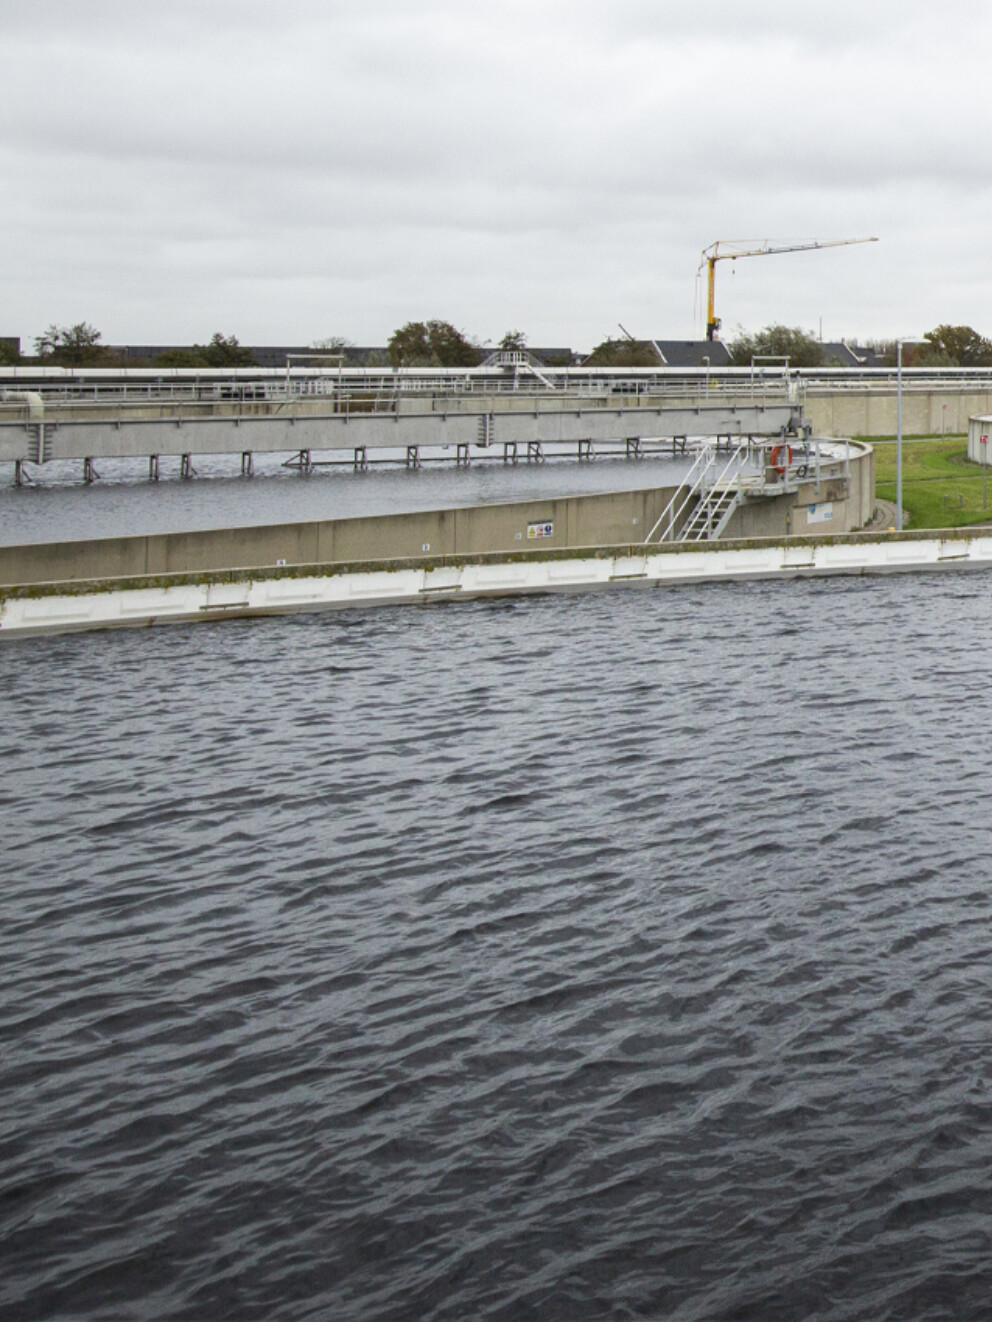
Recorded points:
(353,424)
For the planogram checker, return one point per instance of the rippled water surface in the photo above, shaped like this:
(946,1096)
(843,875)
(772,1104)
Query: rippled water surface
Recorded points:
(618,956)
(124,502)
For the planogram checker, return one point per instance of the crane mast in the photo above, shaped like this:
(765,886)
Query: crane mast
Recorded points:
(730,249)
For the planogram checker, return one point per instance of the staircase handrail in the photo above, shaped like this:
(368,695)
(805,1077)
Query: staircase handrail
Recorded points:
(517,358)
(738,454)
(690,485)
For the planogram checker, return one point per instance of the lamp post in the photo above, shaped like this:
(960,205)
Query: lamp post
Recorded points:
(899,344)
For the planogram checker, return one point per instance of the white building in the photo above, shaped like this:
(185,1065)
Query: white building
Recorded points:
(980,439)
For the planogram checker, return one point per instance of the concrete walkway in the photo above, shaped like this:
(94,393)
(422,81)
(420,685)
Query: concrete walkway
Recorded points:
(885,517)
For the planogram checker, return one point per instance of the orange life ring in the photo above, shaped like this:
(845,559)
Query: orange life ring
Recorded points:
(776,454)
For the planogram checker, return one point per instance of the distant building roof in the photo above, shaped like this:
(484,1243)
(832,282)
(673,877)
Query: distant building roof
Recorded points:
(144,352)
(839,354)
(558,357)
(867,357)
(693,353)
(275,355)
(264,355)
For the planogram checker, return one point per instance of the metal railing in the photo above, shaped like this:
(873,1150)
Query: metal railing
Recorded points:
(385,397)
(700,480)
(715,385)
(718,491)
(488,375)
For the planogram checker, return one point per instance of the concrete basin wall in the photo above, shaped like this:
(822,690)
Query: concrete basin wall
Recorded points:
(555,523)
(861,412)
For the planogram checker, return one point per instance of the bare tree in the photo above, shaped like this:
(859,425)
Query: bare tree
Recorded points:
(70,346)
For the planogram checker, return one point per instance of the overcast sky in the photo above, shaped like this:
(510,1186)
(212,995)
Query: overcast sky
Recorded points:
(288,170)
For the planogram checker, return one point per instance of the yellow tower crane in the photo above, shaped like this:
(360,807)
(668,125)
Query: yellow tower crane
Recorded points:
(730,249)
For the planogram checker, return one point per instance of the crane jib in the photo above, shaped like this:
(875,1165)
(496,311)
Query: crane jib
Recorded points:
(735,249)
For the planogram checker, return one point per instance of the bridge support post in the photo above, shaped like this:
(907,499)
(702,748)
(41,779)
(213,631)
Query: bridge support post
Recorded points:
(634,447)
(37,433)
(509,452)
(19,475)
(153,468)
(361,459)
(461,455)
(534,452)
(247,464)
(186,469)
(586,454)
(89,472)
(413,456)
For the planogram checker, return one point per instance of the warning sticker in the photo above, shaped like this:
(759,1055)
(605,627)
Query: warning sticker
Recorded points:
(540,530)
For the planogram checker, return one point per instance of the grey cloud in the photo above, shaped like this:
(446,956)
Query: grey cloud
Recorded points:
(251,161)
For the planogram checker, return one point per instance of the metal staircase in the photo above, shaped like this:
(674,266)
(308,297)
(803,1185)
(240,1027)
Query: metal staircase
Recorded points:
(703,505)
(520,360)
(712,514)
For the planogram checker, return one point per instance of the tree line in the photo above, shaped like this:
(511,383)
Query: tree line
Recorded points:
(416,344)
(81,345)
(439,344)
(944,346)
(436,343)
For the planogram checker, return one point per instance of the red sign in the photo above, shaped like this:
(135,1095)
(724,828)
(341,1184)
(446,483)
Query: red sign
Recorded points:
(984,439)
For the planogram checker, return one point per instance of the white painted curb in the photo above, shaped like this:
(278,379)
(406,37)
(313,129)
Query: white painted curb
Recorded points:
(261,595)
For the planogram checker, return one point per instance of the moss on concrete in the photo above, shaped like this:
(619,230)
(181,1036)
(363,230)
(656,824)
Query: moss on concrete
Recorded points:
(86,587)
